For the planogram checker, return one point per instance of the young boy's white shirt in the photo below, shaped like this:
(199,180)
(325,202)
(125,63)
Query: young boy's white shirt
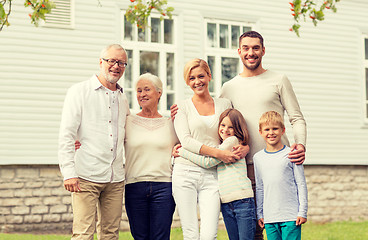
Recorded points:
(281,189)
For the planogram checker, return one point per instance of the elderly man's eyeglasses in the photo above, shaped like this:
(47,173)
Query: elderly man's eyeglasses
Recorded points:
(112,62)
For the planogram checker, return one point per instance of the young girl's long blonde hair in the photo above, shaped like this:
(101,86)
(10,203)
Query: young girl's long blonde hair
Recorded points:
(239,125)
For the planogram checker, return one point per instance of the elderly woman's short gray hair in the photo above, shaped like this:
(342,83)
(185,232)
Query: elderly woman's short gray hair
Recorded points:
(153,79)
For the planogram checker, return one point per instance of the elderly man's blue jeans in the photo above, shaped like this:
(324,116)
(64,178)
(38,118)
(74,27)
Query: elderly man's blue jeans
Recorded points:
(150,207)
(240,219)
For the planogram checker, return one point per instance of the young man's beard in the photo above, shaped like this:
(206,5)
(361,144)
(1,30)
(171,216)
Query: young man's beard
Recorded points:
(253,66)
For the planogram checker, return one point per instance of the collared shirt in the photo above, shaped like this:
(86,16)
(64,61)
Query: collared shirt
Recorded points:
(114,104)
(87,116)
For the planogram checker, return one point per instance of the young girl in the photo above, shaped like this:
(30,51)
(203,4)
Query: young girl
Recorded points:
(237,202)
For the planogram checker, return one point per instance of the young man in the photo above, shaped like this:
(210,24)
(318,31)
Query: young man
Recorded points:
(94,113)
(257,90)
(280,184)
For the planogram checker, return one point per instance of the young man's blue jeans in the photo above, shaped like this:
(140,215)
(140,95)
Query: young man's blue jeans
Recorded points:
(150,208)
(240,219)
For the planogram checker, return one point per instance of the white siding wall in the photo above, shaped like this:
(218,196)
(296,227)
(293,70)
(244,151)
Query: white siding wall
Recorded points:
(324,66)
(37,65)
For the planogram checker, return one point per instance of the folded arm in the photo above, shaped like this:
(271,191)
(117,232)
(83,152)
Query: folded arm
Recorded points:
(200,160)
(188,142)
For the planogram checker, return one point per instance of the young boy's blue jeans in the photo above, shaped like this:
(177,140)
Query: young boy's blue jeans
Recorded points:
(283,231)
(240,219)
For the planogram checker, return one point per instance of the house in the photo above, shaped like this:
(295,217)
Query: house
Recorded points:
(327,65)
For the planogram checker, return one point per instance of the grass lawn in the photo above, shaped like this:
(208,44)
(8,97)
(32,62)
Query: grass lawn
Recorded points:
(311,231)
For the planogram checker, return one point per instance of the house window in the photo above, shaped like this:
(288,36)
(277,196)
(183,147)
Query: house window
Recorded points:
(62,16)
(152,50)
(221,44)
(366,77)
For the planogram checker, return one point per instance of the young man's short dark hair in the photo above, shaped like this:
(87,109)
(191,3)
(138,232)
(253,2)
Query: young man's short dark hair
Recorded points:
(252,34)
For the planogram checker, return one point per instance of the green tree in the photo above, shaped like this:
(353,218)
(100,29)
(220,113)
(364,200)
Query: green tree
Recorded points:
(139,11)
(310,9)
(39,9)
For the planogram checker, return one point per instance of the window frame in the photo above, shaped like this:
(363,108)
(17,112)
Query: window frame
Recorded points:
(365,79)
(219,52)
(163,49)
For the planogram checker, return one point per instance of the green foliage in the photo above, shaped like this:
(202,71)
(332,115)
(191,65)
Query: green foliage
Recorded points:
(139,11)
(39,9)
(303,9)
(4,13)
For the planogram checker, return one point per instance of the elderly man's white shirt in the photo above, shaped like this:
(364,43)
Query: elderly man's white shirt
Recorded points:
(87,116)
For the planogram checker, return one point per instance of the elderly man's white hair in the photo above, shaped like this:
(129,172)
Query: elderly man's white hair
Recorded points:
(114,46)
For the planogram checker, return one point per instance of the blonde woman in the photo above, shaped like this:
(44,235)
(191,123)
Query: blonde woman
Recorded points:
(196,124)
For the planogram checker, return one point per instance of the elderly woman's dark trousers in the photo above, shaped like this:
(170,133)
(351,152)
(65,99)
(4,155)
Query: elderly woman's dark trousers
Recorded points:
(150,208)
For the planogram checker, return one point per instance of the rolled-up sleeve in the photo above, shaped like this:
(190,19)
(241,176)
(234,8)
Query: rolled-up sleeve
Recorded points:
(70,122)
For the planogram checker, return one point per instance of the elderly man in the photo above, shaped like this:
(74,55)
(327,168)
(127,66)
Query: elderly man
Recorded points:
(94,113)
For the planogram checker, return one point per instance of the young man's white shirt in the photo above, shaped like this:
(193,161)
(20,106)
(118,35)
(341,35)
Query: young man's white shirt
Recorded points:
(269,91)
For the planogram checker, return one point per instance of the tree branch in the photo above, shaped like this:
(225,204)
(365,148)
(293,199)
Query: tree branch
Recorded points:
(5,22)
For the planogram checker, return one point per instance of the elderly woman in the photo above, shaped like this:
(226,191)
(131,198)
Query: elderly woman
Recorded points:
(149,140)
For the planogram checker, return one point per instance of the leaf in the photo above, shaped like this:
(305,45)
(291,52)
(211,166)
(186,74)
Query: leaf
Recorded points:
(320,15)
(2,13)
(296,29)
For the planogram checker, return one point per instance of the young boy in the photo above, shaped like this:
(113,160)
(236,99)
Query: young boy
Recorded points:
(281,190)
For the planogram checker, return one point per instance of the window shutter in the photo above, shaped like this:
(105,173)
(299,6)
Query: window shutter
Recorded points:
(62,16)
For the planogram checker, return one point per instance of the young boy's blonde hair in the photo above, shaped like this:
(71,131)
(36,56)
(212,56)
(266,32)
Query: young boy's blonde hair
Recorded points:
(271,117)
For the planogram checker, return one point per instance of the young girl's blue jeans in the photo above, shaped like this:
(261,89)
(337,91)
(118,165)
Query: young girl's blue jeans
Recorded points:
(240,219)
